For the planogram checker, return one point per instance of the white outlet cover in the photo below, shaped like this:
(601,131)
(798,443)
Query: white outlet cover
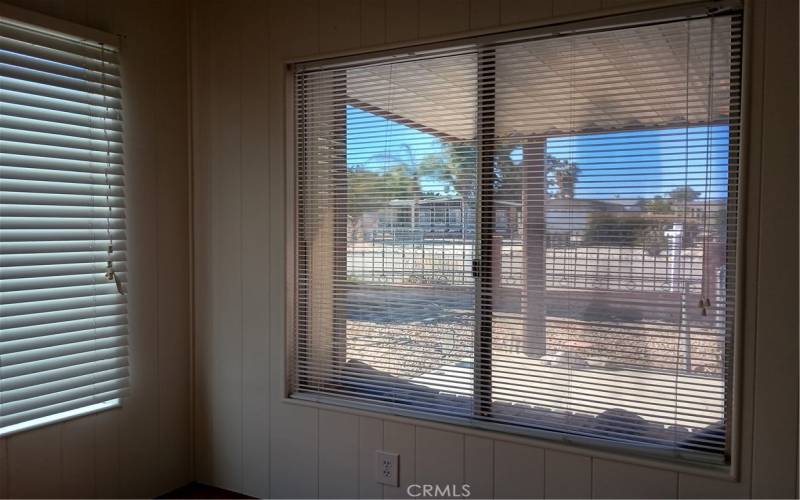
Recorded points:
(386,468)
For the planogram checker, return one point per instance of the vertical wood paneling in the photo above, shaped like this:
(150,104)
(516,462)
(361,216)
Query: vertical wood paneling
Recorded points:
(776,404)
(439,457)
(218,405)
(254,19)
(338,455)
(294,452)
(225,370)
(567,475)
(34,463)
(373,22)
(293,429)
(370,439)
(402,20)
(3,468)
(294,25)
(342,27)
(78,458)
(520,11)
(518,471)
(618,480)
(202,124)
(399,438)
(693,486)
(170,145)
(479,466)
(139,415)
(484,13)
(106,455)
(564,7)
(442,17)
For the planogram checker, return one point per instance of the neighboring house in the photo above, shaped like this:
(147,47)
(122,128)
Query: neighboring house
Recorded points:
(453,217)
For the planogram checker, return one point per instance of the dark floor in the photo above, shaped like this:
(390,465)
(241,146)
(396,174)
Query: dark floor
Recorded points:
(197,490)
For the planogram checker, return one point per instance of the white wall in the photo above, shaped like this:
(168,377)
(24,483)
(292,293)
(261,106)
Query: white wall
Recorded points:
(142,449)
(248,440)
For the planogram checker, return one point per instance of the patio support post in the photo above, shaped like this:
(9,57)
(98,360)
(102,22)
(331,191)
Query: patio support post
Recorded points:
(339,172)
(534,192)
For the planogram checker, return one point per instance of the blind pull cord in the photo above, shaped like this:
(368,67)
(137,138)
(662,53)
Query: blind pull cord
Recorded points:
(111,275)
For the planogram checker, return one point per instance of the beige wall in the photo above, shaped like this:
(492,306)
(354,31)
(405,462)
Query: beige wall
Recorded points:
(143,448)
(248,439)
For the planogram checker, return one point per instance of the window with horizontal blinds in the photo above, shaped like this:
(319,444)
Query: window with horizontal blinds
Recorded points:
(63,318)
(535,235)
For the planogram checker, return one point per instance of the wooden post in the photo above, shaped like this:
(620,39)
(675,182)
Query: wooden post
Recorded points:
(534,192)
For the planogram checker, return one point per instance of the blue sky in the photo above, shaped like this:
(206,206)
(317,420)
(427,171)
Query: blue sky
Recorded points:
(613,164)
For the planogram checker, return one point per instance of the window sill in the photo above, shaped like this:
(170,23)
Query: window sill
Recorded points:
(60,417)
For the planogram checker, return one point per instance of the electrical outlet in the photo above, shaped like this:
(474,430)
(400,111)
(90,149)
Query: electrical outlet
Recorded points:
(386,465)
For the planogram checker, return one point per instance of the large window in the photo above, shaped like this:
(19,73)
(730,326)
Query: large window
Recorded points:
(534,235)
(63,325)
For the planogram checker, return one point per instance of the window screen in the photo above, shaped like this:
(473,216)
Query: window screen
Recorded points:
(535,235)
(62,228)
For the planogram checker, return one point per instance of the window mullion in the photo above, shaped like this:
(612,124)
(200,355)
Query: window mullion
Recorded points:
(485,229)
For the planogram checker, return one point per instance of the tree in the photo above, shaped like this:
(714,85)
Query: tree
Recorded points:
(683,194)
(657,205)
(454,166)
(561,177)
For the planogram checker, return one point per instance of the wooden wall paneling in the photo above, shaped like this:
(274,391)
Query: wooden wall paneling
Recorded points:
(370,439)
(139,413)
(443,17)
(399,438)
(776,403)
(402,20)
(34,463)
(479,466)
(520,11)
(484,14)
(373,22)
(338,455)
(567,475)
(342,27)
(293,429)
(226,299)
(439,457)
(78,458)
(203,121)
(171,140)
(255,248)
(3,468)
(518,471)
(619,480)
(564,7)
(106,455)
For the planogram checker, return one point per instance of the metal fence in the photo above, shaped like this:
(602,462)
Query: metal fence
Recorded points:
(449,262)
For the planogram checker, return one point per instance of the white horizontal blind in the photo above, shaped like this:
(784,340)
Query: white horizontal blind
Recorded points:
(63,317)
(535,235)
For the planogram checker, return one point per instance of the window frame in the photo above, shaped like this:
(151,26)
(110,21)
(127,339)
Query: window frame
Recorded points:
(474,425)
